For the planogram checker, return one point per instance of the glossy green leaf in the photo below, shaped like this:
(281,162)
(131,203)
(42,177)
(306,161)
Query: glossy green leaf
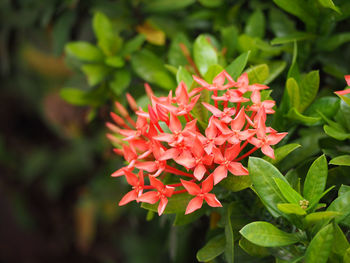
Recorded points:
(341,160)
(182,219)
(328,106)
(107,38)
(295,115)
(340,242)
(336,133)
(115,61)
(252,249)
(346,257)
(329,4)
(229,38)
(343,189)
(255,26)
(84,51)
(280,23)
(230,240)
(320,246)
(204,54)
(258,73)
(215,247)
(316,178)
(121,80)
(291,209)
(176,204)
(211,3)
(175,54)
(133,45)
(282,152)
(237,66)
(293,71)
(183,75)
(95,73)
(292,88)
(299,8)
(262,174)
(275,69)
(288,192)
(149,67)
(296,36)
(308,89)
(75,96)
(267,235)
(236,183)
(316,217)
(341,204)
(167,5)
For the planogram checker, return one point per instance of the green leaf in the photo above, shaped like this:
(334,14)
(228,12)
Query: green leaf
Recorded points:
(280,23)
(293,72)
(290,38)
(182,219)
(300,9)
(229,248)
(255,26)
(336,133)
(275,68)
(341,160)
(295,115)
(291,209)
(341,204)
(317,217)
(282,152)
(121,80)
(343,189)
(320,246)
(252,249)
(346,258)
(204,54)
(333,42)
(212,72)
(215,247)
(340,242)
(107,38)
(237,66)
(328,106)
(316,178)
(95,73)
(166,5)
(149,67)
(211,3)
(292,88)
(308,89)
(229,39)
(236,183)
(183,75)
(262,174)
(288,192)
(84,51)
(258,74)
(175,53)
(75,96)
(267,235)
(176,204)
(133,45)
(329,4)
(115,61)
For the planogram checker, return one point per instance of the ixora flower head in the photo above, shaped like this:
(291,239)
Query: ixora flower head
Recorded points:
(169,151)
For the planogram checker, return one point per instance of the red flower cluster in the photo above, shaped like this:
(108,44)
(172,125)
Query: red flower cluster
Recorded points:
(158,141)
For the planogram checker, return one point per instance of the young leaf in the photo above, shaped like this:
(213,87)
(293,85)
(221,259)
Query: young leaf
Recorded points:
(237,66)
(115,61)
(341,160)
(336,133)
(329,4)
(282,152)
(255,26)
(291,209)
(258,73)
(341,204)
(267,235)
(288,192)
(229,249)
(215,247)
(315,180)
(121,80)
(262,174)
(316,217)
(204,54)
(308,89)
(84,51)
(320,246)
(95,73)
(132,45)
(294,114)
(149,67)
(292,88)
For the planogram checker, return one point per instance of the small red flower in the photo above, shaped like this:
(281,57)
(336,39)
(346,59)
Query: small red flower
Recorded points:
(347,91)
(201,194)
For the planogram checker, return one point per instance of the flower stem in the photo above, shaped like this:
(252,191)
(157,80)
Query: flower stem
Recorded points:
(246,154)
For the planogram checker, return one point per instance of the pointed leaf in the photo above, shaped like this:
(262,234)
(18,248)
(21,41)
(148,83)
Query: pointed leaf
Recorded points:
(215,247)
(341,204)
(288,192)
(267,235)
(229,249)
(204,54)
(291,209)
(236,68)
(282,152)
(341,160)
(84,51)
(252,249)
(258,73)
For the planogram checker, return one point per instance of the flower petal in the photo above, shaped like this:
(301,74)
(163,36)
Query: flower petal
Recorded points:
(219,173)
(207,184)
(149,197)
(191,187)
(237,169)
(199,171)
(130,196)
(194,205)
(147,166)
(268,151)
(162,204)
(212,200)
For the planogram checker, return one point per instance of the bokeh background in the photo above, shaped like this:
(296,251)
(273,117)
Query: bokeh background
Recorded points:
(58,202)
